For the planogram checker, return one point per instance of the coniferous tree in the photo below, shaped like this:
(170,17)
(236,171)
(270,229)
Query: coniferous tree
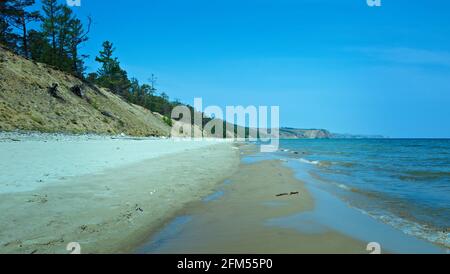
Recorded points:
(111,75)
(21,21)
(58,42)
(52,11)
(63,20)
(15,14)
(77,36)
(135,95)
(65,33)
(39,46)
(7,37)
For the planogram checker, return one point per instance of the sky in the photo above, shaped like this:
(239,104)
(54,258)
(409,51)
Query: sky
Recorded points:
(339,65)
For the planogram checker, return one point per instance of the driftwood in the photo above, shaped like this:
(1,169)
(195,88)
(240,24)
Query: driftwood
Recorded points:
(288,194)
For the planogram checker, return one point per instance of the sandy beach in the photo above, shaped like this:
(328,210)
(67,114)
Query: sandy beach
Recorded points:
(236,221)
(107,194)
(271,206)
(153,196)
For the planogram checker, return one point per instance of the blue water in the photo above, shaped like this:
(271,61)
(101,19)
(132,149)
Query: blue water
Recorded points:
(170,232)
(404,183)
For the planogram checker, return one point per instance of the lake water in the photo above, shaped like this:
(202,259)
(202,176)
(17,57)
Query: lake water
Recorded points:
(402,182)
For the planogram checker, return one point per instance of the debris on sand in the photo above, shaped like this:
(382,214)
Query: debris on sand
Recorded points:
(288,194)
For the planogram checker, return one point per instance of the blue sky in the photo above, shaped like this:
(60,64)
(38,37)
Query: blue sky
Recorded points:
(339,65)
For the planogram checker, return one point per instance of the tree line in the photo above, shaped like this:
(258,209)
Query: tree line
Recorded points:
(53,35)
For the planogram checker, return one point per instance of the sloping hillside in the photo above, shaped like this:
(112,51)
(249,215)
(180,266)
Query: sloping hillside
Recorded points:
(36,97)
(294,133)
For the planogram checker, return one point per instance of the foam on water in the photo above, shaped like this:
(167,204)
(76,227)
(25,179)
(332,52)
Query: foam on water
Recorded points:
(309,162)
(402,183)
(335,214)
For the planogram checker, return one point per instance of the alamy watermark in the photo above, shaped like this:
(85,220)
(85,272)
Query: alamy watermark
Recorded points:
(370,3)
(374,3)
(240,123)
(73,3)
(74,248)
(374,248)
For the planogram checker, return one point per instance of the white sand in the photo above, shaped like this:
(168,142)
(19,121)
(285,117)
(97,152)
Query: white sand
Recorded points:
(125,194)
(28,162)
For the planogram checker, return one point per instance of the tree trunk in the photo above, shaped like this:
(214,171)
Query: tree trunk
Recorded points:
(74,60)
(25,36)
(53,27)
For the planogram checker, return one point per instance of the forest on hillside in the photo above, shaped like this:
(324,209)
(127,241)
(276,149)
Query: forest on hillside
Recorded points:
(52,34)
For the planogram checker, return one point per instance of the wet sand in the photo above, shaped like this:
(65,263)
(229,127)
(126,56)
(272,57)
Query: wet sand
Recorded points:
(236,220)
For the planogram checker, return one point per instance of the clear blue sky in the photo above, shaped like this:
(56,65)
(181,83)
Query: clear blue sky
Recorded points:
(334,64)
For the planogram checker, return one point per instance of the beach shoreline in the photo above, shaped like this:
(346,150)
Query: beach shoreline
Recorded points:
(236,219)
(157,195)
(271,206)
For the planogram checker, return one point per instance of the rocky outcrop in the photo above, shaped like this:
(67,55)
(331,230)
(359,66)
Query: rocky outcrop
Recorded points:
(294,133)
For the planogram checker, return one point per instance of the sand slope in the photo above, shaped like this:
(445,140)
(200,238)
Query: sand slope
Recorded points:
(26,104)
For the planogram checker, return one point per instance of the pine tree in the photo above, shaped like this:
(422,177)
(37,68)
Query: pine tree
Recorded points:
(7,37)
(77,37)
(111,75)
(135,94)
(65,34)
(15,14)
(52,11)
(39,46)
(63,20)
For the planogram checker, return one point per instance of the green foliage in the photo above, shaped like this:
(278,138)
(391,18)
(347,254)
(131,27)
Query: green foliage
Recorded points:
(7,37)
(111,75)
(168,121)
(77,36)
(57,43)
(15,17)
(64,33)
(39,47)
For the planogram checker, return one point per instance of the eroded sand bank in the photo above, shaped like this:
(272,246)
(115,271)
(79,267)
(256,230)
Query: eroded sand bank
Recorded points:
(113,210)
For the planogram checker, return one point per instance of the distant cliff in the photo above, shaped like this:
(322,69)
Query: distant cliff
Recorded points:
(294,133)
